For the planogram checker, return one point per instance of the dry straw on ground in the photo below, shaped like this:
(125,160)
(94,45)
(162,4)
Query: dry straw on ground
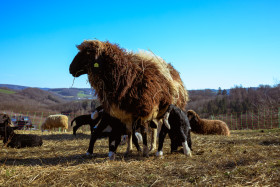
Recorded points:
(246,158)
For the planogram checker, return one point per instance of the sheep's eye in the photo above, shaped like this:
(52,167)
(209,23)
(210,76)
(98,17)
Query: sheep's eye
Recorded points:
(88,52)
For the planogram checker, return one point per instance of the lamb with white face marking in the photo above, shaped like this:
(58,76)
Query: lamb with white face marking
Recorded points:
(179,132)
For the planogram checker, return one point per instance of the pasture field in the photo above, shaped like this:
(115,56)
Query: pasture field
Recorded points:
(246,158)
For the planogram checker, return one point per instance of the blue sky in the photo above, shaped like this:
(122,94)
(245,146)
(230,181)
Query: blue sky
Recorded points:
(212,43)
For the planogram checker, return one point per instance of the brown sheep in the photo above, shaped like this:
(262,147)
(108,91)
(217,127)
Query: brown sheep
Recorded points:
(205,126)
(129,85)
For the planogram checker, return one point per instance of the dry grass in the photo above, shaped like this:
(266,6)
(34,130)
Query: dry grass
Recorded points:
(246,158)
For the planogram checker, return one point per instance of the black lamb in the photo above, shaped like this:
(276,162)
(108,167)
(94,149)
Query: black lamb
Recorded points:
(11,139)
(179,132)
(101,124)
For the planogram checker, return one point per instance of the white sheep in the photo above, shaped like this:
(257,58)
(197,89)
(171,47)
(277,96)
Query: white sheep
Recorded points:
(55,121)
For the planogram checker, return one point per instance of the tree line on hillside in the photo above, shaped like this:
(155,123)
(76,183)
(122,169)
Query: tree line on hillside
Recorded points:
(236,100)
(205,102)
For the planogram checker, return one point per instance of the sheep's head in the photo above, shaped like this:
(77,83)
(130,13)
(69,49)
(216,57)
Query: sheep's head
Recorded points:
(5,120)
(7,131)
(88,57)
(192,115)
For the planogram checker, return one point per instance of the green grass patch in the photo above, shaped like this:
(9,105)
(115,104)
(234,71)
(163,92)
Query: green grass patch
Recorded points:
(7,91)
(82,95)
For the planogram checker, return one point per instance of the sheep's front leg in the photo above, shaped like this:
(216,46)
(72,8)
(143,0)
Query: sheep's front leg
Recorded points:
(145,143)
(129,142)
(154,140)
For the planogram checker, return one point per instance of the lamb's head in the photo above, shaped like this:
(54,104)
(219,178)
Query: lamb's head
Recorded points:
(192,115)
(87,58)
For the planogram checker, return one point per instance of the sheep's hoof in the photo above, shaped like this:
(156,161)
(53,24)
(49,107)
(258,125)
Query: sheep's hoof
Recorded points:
(146,152)
(128,153)
(159,154)
(152,149)
(139,153)
(89,154)
(112,155)
(187,150)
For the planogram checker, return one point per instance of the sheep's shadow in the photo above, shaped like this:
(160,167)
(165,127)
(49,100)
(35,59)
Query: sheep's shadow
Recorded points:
(65,136)
(71,160)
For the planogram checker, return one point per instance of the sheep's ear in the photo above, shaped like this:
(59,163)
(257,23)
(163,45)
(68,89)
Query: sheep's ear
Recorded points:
(195,118)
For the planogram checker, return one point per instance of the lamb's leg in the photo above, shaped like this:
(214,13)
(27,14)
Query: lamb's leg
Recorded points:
(114,141)
(185,139)
(97,133)
(162,135)
(135,142)
(189,140)
(186,148)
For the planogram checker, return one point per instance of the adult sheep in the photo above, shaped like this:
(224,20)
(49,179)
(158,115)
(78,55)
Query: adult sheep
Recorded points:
(205,126)
(55,121)
(129,85)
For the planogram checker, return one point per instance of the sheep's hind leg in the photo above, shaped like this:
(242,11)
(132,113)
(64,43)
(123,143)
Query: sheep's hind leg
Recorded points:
(129,144)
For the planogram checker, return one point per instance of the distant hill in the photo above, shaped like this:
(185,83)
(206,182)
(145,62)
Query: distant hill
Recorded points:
(65,93)
(66,100)
(13,87)
(28,98)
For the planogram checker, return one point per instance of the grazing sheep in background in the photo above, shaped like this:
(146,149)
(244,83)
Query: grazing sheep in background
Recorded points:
(55,121)
(19,140)
(179,132)
(129,85)
(205,126)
